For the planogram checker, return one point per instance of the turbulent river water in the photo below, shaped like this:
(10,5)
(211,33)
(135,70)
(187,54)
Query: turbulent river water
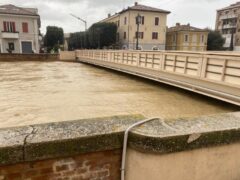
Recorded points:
(40,92)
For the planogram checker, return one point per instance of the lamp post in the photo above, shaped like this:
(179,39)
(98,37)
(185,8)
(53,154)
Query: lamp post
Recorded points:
(232,40)
(138,21)
(80,19)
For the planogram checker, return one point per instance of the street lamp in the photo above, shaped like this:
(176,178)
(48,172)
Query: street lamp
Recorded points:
(80,19)
(138,21)
(232,40)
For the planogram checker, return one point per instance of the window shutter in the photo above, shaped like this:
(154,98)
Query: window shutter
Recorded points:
(143,20)
(5,26)
(157,21)
(14,27)
(25,27)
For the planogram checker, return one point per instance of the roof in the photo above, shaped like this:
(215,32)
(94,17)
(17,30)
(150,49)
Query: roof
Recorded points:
(110,17)
(11,9)
(235,5)
(187,27)
(140,7)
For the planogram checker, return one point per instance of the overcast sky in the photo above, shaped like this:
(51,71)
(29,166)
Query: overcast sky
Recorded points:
(199,13)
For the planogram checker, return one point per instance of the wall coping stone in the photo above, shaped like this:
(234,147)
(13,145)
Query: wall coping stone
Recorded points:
(168,136)
(63,139)
(53,140)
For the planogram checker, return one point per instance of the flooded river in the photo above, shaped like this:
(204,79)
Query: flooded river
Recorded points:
(37,92)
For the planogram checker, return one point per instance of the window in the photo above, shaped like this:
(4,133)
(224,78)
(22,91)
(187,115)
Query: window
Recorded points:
(202,38)
(25,27)
(125,20)
(140,35)
(156,21)
(117,38)
(154,35)
(185,38)
(9,26)
(125,35)
(11,46)
(174,38)
(142,20)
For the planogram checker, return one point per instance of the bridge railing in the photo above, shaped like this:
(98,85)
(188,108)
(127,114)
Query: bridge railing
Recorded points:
(223,68)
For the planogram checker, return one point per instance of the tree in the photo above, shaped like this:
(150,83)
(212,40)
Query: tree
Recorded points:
(102,35)
(99,35)
(78,40)
(54,38)
(215,41)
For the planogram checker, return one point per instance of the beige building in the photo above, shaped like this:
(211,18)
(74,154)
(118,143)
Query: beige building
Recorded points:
(228,24)
(19,29)
(186,38)
(152,30)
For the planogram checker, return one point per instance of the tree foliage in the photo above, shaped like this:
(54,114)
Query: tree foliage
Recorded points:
(215,41)
(78,40)
(54,37)
(99,35)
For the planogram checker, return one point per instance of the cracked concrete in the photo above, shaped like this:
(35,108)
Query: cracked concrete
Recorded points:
(62,139)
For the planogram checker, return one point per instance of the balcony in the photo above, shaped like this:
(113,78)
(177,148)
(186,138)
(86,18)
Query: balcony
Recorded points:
(228,16)
(229,26)
(10,35)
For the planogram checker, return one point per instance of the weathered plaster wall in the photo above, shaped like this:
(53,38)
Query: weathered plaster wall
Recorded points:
(215,163)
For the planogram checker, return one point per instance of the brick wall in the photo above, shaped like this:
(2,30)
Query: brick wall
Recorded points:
(92,166)
(29,57)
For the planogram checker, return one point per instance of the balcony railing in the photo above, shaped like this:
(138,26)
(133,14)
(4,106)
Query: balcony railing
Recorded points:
(228,16)
(229,26)
(10,35)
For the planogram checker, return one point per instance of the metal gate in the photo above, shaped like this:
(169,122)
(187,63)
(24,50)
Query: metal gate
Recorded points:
(26,47)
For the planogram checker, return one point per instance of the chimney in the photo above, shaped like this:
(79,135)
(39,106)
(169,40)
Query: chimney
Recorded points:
(109,15)
(136,3)
(178,24)
(188,24)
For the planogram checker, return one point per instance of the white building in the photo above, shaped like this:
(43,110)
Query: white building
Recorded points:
(19,29)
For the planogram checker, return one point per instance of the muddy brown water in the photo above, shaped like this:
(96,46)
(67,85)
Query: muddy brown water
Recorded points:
(40,92)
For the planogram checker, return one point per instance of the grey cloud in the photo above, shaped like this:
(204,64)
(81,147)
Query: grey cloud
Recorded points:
(200,13)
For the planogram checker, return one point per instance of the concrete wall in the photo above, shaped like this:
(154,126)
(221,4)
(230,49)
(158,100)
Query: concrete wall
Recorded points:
(216,163)
(67,55)
(183,149)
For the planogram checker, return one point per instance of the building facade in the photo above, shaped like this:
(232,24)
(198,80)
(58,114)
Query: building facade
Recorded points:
(186,38)
(228,24)
(152,28)
(19,29)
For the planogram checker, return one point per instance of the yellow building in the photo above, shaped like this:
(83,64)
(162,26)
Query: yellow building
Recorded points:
(186,38)
(152,30)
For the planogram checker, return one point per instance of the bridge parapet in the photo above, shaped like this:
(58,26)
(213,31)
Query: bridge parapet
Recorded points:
(199,72)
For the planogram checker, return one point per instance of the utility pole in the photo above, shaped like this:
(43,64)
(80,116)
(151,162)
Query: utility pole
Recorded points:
(84,21)
(138,21)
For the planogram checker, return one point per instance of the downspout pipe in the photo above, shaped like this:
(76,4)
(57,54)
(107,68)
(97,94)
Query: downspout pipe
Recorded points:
(125,142)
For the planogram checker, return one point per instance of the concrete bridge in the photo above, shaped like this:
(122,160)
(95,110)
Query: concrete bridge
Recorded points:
(212,74)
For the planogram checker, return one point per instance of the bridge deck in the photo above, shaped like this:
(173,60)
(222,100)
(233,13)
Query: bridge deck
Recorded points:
(193,72)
